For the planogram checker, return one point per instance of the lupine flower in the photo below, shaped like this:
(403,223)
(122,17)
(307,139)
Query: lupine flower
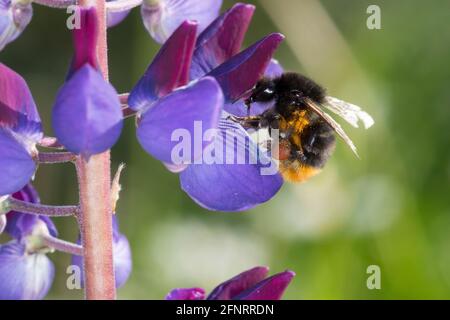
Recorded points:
(162,17)
(121,257)
(25,270)
(216,58)
(15,15)
(252,284)
(87,117)
(20,130)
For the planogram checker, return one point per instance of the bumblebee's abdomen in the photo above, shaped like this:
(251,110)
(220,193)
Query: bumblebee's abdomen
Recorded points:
(296,171)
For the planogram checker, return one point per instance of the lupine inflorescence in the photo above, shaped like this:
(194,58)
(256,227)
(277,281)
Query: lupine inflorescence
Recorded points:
(197,77)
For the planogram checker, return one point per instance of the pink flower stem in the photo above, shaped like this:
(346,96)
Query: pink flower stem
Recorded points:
(62,245)
(94,178)
(40,209)
(55,157)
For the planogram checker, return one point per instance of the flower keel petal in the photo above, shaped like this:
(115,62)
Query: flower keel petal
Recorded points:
(221,40)
(233,287)
(241,72)
(169,69)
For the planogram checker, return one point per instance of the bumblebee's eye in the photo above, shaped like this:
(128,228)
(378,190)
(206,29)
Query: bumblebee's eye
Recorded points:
(263,93)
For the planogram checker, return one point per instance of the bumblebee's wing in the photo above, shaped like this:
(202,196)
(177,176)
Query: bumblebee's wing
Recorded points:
(349,112)
(336,126)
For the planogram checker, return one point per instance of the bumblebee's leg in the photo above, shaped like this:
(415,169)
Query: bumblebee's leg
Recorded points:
(318,142)
(247,122)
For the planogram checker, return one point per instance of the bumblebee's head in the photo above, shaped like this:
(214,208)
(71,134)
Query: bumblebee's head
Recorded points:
(264,91)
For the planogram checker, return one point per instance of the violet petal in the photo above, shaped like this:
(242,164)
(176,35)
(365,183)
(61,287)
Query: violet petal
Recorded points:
(169,69)
(87,117)
(240,73)
(182,111)
(115,18)
(270,289)
(24,276)
(16,164)
(162,17)
(233,287)
(274,69)
(14,17)
(221,40)
(18,112)
(186,294)
(240,179)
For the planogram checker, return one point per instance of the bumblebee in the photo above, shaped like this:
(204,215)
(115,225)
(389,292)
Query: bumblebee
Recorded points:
(306,133)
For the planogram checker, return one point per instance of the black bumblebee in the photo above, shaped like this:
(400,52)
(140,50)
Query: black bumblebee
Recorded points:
(306,134)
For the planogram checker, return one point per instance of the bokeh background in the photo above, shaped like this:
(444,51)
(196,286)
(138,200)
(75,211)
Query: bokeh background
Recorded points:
(391,208)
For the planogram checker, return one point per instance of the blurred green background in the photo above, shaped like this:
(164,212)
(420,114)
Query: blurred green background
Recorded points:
(391,208)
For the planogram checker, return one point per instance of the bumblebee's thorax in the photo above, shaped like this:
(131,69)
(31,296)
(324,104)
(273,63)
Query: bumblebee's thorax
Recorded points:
(297,121)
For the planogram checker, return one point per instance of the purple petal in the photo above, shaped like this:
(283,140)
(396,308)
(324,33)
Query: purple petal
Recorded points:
(233,287)
(221,40)
(24,276)
(241,179)
(270,289)
(239,108)
(14,17)
(274,69)
(18,111)
(22,224)
(169,69)
(162,17)
(87,118)
(85,40)
(114,18)
(192,110)
(240,73)
(17,166)
(121,256)
(186,294)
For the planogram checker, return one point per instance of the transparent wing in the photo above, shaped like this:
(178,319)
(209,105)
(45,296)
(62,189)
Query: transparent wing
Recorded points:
(336,126)
(349,112)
